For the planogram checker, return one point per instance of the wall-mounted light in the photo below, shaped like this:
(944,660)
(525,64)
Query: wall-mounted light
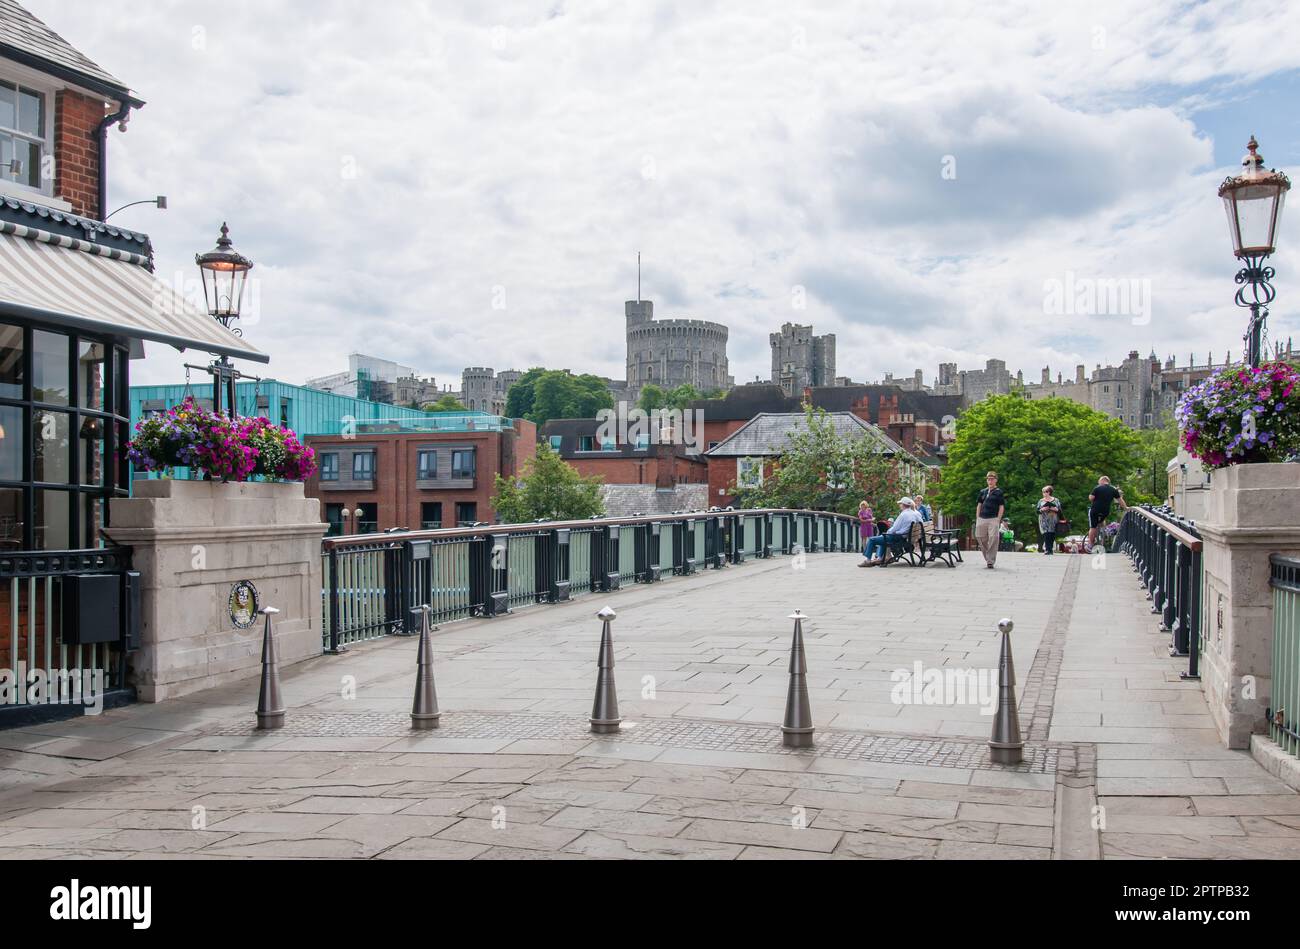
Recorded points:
(159,202)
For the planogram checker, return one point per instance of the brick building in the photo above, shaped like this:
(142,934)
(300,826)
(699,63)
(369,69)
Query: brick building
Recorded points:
(642,461)
(417,476)
(919,421)
(745,457)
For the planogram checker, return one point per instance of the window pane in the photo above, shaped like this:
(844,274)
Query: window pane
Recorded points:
(11,443)
(368,522)
(31,113)
(52,520)
(329,467)
(8,106)
(466,514)
(51,459)
(11,361)
(90,375)
(50,367)
(431,515)
(92,519)
(11,519)
(29,153)
(92,450)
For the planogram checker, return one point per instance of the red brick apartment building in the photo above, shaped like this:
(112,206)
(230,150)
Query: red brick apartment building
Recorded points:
(641,461)
(418,476)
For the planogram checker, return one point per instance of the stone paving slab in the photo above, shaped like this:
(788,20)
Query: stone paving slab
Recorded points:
(699,773)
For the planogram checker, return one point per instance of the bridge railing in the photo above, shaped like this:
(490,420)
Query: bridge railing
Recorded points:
(1284,698)
(371,582)
(1166,554)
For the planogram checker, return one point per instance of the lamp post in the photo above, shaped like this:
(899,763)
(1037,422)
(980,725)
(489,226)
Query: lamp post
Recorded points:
(224,272)
(1254,201)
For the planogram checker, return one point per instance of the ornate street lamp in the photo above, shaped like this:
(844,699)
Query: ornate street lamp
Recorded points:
(224,272)
(1254,201)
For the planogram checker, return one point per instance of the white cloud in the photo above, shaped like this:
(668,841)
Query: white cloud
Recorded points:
(390,166)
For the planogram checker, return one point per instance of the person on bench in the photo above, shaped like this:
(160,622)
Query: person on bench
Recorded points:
(907,516)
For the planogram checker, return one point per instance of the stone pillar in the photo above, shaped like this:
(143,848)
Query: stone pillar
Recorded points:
(193,541)
(1252,511)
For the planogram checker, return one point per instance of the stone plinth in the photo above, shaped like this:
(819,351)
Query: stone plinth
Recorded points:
(1252,511)
(193,540)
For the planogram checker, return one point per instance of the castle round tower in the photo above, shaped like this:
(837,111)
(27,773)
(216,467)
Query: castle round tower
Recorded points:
(670,353)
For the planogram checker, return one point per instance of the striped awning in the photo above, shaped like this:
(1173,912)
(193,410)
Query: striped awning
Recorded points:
(86,286)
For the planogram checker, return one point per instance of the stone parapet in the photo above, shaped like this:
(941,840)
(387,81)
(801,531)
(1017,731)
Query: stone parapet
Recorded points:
(1252,511)
(193,541)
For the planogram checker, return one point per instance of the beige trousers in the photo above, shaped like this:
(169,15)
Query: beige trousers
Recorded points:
(988,532)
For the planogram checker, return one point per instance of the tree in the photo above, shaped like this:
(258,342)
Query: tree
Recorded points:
(550,488)
(1157,447)
(654,397)
(447,403)
(540,395)
(1031,443)
(822,470)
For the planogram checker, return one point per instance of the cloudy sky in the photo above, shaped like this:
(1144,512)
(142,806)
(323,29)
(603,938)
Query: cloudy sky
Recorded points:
(450,184)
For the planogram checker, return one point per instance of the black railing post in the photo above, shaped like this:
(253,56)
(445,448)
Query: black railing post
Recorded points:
(1194,620)
(609,572)
(416,555)
(1183,602)
(562,565)
(651,539)
(334,649)
(499,572)
(738,538)
(1171,591)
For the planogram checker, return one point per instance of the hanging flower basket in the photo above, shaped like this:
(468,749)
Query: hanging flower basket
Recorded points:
(1241,415)
(219,447)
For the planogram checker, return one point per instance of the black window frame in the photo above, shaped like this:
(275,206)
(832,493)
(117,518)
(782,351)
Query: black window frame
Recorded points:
(422,471)
(329,472)
(457,469)
(369,474)
(111,425)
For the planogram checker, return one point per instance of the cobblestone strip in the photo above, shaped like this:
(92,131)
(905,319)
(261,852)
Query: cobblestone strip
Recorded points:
(1040,685)
(1040,758)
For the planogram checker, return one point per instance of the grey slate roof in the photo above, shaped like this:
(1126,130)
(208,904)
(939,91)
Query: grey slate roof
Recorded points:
(768,432)
(28,40)
(624,500)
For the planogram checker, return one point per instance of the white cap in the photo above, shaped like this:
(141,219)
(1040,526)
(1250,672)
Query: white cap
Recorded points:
(905,502)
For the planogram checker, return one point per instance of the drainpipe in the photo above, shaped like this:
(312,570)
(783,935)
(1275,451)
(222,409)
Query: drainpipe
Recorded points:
(120,117)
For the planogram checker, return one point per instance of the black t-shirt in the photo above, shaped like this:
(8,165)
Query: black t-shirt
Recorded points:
(1103,496)
(990,501)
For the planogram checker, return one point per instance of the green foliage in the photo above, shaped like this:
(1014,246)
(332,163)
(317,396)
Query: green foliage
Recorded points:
(1031,443)
(1149,482)
(551,489)
(448,403)
(821,470)
(654,397)
(543,394)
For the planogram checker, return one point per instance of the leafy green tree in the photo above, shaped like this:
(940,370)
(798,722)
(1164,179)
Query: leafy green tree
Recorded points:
(550,488)
(1031,443)
(447,403)
(652,397)
(540,395)
(821,470)
(1149,482)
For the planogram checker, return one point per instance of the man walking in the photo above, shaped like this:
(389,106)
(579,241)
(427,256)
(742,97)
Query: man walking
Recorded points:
(988,519)
(1099,502)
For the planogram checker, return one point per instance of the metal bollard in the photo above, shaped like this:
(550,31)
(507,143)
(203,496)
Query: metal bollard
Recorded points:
(424,710)
(1006,746)
(270,706)
(605,719)
(797,729)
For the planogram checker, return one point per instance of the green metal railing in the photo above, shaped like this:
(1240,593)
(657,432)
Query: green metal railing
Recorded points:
(371,582)
(1284,722)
